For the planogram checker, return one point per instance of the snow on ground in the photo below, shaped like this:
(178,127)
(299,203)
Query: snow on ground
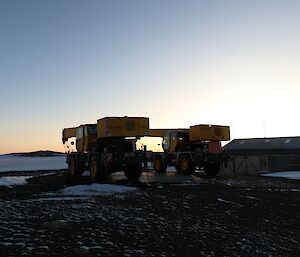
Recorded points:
(86,173)
(284,174)
(171,169)
(96,189)
(10,181)
(17,163)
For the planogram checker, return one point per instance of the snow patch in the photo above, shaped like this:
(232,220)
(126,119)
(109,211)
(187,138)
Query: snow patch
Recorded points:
(86,173)
(96,189)
(284,174)
(10,181)
(171,169)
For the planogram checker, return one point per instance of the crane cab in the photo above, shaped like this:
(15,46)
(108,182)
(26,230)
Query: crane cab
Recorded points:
(177,140)
(86,136)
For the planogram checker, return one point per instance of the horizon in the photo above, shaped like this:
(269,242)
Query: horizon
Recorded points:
(36,151)
(224,143)
(182,63)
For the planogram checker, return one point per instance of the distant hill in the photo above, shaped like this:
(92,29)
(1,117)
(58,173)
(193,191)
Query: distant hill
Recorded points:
(46,153)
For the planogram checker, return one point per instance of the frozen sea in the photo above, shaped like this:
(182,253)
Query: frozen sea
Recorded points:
(16,163)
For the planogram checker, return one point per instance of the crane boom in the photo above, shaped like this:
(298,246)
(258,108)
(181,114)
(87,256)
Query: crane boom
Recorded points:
(162,132)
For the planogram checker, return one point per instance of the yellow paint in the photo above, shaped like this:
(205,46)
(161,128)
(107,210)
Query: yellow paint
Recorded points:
(122,127)
(162,132)
(209,133)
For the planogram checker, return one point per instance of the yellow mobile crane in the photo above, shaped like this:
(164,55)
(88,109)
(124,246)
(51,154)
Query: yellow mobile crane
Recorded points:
(110,145)
(198,146)
(107,146)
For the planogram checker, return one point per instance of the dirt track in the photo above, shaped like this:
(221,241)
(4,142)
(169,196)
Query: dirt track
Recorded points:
(245,216)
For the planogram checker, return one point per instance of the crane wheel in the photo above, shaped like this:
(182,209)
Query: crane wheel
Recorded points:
(95,169)
(74,167)
(159,165)
(186,165)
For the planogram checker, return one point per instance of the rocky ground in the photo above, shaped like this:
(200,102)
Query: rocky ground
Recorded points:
(223,216)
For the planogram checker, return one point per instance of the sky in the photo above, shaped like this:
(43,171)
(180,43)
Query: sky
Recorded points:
(68,62)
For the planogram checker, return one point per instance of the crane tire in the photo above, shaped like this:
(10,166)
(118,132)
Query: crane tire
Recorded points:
(133,171)
(159,165)
(96,171)
(186,165)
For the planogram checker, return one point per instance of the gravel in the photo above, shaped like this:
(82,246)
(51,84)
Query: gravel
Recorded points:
(223,216)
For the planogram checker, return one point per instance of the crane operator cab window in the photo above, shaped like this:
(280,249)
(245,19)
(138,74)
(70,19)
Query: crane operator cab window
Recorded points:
(85,134)
(173,140)
(169,136)
(90,130)
(79,133)
(83,131)
(166,141)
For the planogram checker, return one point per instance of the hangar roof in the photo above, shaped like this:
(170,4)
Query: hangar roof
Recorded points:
(274,145)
